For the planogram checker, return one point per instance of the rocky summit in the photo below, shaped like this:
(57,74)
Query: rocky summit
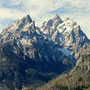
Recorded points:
(31,56)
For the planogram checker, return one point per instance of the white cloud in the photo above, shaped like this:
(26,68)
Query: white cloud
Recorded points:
(15,2)
(10,13)
(1,27)
(41,10)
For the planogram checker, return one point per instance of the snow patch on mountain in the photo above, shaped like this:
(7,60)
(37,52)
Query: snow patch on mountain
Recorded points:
(65,51)
(67,26)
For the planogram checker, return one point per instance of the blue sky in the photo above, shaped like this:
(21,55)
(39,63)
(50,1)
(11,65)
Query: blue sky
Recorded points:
(41,10)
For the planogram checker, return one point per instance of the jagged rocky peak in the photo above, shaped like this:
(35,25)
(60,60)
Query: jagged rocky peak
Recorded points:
(25,20)
(23,24)
(57,17)
(49,27)
(52,20)
(67,26)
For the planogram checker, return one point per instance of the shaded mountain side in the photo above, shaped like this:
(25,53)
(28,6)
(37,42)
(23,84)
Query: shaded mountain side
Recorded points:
(18,70)
(77,79)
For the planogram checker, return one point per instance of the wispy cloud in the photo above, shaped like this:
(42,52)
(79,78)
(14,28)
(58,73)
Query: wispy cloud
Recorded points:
(41,10)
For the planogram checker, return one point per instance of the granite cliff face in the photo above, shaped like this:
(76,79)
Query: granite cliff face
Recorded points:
(67,34)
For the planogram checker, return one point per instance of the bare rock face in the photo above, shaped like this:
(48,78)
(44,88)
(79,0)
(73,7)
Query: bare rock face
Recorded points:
(49,27)
(67,34)
(16,27)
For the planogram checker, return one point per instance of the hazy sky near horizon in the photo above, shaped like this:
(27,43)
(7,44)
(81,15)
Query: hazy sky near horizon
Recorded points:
(42,10)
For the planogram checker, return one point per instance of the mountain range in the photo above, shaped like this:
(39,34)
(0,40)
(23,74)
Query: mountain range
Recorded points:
(30,56)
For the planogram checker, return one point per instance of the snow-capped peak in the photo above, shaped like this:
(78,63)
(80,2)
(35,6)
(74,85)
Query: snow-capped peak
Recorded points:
(18,26)
(67,26)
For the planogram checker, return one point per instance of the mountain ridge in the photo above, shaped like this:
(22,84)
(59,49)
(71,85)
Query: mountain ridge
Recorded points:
(39,54)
